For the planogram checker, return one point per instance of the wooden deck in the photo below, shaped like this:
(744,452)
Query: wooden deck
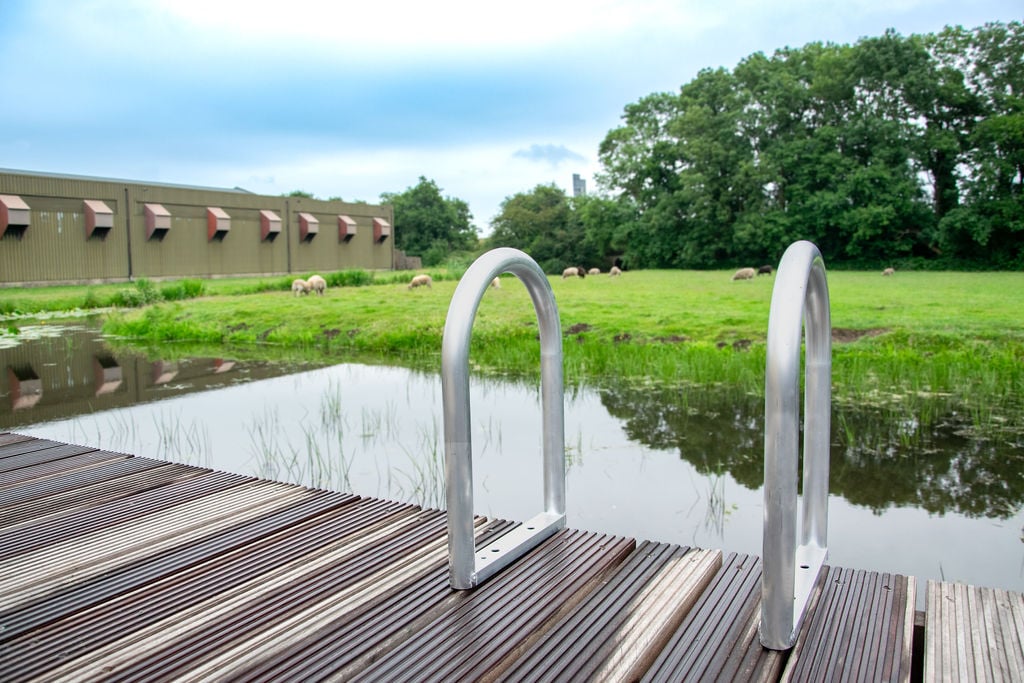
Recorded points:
(117,567)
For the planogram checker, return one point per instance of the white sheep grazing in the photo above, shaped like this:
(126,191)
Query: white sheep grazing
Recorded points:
(745,274)
(614,272)
(889,271)
(317,284)
(496,283)
(300,286)
(594,271)
(420,281)
(573,272)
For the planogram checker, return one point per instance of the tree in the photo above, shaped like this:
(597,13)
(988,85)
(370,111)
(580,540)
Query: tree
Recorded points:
(429,225)
(890,148)
(542,223)
(988,224)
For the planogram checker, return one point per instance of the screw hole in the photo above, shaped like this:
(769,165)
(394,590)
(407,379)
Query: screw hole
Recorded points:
(805,566)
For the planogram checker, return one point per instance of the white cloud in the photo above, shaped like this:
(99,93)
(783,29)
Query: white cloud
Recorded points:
(552,155)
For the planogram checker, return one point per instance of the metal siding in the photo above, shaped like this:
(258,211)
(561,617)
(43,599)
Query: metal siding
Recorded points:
(54,247)
(186,250)
(325,253)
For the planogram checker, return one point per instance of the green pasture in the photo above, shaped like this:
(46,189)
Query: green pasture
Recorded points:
(922,344)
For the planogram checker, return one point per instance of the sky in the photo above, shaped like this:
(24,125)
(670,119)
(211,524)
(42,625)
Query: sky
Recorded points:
(352,101)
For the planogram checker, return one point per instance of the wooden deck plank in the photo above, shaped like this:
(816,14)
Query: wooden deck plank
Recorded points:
(973,633)
(16,469)
(13,437)
(19,444)
(175,485)
(116,567)
(505,615)
(616,632)
(362,634)
(718,639)
(859,628)
(145,600)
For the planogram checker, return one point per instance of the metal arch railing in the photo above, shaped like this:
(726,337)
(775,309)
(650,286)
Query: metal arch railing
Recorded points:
(790,571)
(467,565)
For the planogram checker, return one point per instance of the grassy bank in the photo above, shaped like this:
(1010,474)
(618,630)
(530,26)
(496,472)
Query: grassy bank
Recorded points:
(918,346)
(923,345)
(65,300)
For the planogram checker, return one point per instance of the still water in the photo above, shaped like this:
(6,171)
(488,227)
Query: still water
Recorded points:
(677,465)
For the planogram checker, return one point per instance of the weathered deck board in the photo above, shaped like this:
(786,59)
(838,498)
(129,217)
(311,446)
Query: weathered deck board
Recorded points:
(861,628)
(973,633)
(718,640)
(616,632)
(120,568)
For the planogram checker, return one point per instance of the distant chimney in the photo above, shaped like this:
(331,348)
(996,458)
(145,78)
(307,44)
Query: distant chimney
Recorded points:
(579,186)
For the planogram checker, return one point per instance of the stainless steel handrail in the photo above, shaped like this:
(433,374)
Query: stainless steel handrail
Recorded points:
(790,571)
(468,566)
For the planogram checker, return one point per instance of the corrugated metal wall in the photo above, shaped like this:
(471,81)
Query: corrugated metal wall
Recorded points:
(326,251)
(54,248)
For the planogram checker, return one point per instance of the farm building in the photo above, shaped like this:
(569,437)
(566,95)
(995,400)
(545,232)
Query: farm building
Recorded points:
(76,229)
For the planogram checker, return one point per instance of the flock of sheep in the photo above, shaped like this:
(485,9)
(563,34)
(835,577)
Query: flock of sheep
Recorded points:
(317,284)
(576,271)
(750,273)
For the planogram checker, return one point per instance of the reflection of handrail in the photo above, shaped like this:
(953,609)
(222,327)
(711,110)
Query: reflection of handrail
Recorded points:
(801,290)
(467,565)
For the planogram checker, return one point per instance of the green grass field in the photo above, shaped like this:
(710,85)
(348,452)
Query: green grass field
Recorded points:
(909,341)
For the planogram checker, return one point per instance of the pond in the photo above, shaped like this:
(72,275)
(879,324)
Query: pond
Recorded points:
(667,464)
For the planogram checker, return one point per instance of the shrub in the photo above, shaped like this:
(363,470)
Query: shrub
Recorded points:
(349,278)
(144,292)
(183,289)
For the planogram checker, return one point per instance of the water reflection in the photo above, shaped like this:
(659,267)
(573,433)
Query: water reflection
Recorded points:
(54,372)
(677,465)
(875,462)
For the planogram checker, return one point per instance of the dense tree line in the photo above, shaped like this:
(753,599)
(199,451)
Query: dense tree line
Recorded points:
(905,151)
(891,148)
(895,150)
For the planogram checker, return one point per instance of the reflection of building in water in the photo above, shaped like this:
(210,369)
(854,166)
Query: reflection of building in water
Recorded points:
(71,372)
(107,374)
(25,386)
(164,371)
(220,365)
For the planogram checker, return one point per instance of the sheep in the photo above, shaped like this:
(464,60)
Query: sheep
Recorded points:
(764,270)
(420,280)
(744,274)
(574,271)
(888,271)
(496,282)
(614,272)
(594,271)
(300,286)
(317,284)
